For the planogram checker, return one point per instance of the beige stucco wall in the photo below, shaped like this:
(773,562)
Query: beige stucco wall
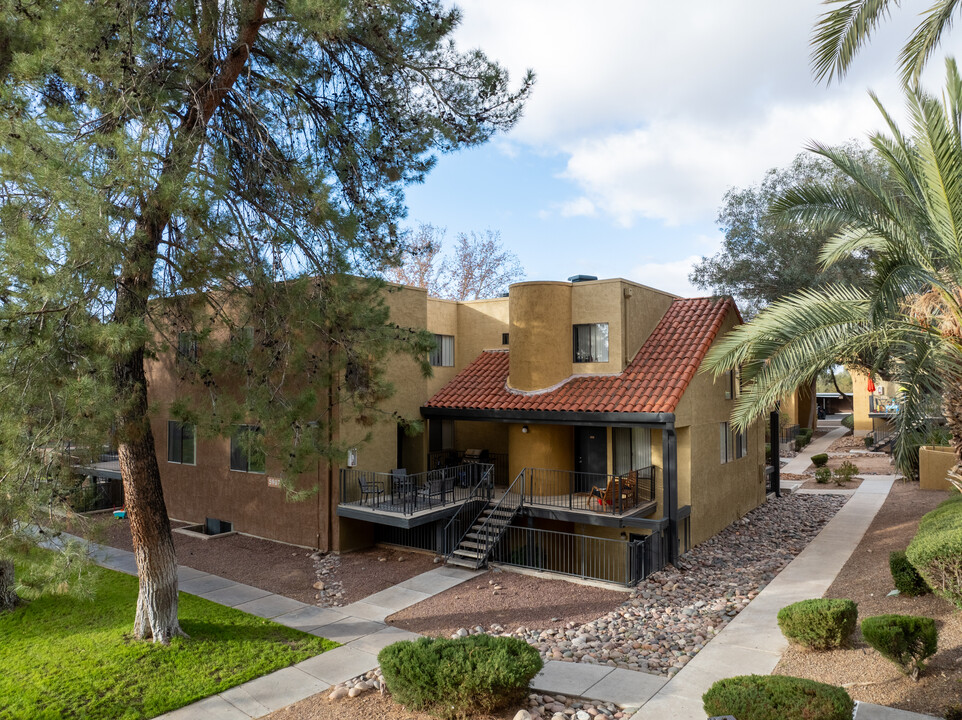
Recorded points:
(934,465)
(718,493)
(543,446)
(643,311)
(481,323)
(598,301)
(540,334)
(442,318)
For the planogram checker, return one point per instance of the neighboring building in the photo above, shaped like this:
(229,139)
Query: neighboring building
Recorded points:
(571,415)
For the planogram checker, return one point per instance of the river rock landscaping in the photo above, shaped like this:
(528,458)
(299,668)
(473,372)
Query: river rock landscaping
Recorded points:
(669,617)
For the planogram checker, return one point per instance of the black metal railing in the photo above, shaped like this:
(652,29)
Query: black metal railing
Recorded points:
(788,434)
(493,528)
(625,562)
(407,494)
(882,405)
(97,493)
(597,492)
(467,515)
(452,458)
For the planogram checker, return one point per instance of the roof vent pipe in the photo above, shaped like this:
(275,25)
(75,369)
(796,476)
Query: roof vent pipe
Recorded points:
(582,278)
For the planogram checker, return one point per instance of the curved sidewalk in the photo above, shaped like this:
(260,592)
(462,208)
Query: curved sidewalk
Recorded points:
(752,642)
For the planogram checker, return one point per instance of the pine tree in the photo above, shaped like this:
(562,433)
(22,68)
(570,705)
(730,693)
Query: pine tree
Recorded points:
(171,166)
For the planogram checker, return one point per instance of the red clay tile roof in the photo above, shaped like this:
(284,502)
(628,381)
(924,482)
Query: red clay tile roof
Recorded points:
(653,382)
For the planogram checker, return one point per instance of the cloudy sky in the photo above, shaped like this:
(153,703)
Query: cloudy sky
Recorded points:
(643,115)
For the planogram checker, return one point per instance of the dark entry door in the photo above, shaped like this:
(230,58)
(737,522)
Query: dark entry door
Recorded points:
(591,458)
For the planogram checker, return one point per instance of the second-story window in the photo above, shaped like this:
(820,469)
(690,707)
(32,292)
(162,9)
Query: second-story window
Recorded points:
(443,354)
(181,443)
(590,342)
(245,454)
(187,345)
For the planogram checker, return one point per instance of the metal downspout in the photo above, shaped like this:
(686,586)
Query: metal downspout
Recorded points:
(669,478)
(775,438)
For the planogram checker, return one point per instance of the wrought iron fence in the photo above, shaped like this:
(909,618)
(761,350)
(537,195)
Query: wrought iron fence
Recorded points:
(788,434)
(625,562)
(597,492)
(452,458)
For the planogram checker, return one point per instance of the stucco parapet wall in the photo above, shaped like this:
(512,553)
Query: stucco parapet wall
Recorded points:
(602,281)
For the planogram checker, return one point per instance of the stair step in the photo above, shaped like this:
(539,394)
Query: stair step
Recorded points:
(471,544)
(468,554)
(462,563)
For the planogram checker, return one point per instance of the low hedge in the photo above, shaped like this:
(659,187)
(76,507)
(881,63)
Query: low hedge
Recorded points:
(819,624)
(455,678)
(936,550)
(777,697)
(906,578)
(820,460)
(849,421)
(906,640)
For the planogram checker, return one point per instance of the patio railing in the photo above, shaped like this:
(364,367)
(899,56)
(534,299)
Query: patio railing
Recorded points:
(407,494)
(467,515)
(452,458)
(624,562)
(597,492)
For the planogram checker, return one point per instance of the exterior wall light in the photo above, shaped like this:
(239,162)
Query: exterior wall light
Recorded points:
(524,428)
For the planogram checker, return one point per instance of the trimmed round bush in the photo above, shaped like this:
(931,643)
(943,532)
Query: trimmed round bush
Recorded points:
(936,550)
(820,460)
(906,578)
(823,475)
(849,421)
(819,624)
(906,640)
(869,441)
(777,697)
(454,678)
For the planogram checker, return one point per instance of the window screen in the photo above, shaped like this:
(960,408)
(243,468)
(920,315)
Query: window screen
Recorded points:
(443,354)
(245,455)
(181,446)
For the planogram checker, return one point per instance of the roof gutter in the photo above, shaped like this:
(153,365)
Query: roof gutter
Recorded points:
(555,417)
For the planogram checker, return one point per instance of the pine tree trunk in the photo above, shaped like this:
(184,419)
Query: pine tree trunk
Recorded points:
(8,596)
(144,500)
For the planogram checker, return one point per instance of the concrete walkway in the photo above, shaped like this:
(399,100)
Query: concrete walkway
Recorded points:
(359,627)
(752,642)
(799,463)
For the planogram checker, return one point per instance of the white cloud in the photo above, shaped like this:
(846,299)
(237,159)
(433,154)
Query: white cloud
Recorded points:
(668,276)
(660,109)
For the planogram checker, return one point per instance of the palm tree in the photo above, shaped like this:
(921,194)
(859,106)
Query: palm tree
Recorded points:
(907,226)
(841,31)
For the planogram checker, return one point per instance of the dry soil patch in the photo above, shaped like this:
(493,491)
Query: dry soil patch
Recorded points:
(866,579)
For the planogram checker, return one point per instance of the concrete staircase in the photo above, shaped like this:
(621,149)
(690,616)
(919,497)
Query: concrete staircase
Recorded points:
(478,542)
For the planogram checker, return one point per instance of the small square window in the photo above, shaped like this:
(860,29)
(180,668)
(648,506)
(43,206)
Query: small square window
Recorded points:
(187,346)
(590,343)
(443,353)
(246,455)
(181,443)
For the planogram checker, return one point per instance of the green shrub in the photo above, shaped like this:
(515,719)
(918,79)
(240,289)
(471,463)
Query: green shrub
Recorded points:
(906,640)
(869,441)
(906,577)
(820,460)
(456,678)
(819,624)
(849,421)
(768,453)
(776,697)
(936,550)
(844,473)
(823,475)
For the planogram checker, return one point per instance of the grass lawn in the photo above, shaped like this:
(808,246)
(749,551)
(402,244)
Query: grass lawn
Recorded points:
(63,657)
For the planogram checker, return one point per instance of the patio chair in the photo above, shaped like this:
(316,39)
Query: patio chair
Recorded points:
(616,489)
(370,488)
(402,487)
(437,486)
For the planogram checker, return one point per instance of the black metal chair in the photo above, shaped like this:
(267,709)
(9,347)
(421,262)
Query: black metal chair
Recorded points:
(437,486)
(370,488)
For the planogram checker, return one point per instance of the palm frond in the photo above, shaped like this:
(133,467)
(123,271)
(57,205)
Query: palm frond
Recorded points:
(841,31)
(925,39)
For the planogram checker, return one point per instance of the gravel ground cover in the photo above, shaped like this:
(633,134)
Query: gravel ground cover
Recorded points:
(866,579)
(669,617)
(847,442)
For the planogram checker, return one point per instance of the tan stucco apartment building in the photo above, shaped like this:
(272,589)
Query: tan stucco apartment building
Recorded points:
(566,428)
